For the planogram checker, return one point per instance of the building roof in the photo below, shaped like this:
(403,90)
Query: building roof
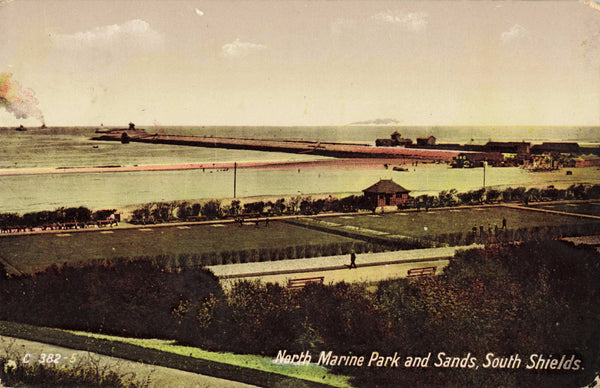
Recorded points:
(507,143)
(386,186)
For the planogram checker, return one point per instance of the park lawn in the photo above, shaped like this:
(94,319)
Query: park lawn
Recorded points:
(439,221)
(30,253)
(307,372)
(589,208)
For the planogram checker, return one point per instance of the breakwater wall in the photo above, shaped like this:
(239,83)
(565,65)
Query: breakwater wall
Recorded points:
(332,149)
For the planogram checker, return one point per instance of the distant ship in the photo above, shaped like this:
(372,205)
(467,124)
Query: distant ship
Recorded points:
(20,128)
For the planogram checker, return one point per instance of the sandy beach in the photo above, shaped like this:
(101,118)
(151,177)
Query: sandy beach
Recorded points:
(272,165)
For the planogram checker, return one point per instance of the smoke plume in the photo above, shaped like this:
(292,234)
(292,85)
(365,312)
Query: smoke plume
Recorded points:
(18,101)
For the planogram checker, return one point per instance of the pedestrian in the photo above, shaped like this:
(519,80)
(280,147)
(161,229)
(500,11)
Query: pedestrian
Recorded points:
(352,260)
(503,223)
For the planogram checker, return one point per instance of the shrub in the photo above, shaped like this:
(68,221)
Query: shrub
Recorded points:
(290,253)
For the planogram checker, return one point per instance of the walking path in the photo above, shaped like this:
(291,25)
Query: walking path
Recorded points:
(371,266)
(593,241)
(159,376)
(519,207)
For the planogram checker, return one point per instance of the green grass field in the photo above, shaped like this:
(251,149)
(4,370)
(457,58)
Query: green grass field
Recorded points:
(30,253)
(590,208)
(435,222)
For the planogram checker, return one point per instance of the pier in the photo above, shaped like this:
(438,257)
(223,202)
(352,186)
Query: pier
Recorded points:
(332,149)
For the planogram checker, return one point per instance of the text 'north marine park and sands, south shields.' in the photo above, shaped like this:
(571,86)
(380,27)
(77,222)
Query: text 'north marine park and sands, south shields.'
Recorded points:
(439,360)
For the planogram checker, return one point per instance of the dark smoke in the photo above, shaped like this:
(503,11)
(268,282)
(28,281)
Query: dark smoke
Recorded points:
(18,101)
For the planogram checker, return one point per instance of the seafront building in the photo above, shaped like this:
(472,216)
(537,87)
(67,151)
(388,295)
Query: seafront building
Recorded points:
(386,192)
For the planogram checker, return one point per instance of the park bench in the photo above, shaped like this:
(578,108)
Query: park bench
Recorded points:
(424,271)
(196,218)
(69,225)
(249,215)
(301,282)
(107,222)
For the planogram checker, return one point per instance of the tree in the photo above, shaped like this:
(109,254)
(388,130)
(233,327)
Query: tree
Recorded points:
(306,206)
(294,204)
(533,194)
(212,209)
(492,195)
(447,198)
(235,208)
(184,210)
(162,212)
(104,214)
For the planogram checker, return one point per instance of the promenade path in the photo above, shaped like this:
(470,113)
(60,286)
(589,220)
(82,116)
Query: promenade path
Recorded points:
(371,266)
(549,211)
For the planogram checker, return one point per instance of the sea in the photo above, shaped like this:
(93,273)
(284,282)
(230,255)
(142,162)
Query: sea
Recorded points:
(64,148)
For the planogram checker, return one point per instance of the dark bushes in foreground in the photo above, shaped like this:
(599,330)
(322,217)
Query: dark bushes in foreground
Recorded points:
(538,297)
(137,298)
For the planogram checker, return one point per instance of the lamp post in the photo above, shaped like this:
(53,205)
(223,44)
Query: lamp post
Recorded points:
(484,165)
(483,196)
(234,178)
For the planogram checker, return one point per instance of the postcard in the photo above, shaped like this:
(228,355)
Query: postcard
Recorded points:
(299,193)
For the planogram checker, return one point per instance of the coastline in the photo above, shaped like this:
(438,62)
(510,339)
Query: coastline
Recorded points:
(274,165)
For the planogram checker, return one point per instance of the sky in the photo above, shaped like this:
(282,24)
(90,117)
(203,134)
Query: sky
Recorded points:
(298,62)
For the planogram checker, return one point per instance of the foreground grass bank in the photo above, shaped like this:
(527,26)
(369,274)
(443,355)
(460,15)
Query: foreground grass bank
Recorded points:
(310,372)
(152,352)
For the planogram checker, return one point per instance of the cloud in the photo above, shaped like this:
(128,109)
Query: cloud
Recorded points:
(134,34)
(514,33)
(239,49)
(198,12)
(415,21)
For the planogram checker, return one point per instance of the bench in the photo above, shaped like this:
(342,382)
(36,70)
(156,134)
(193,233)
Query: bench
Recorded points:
(196,218)
(249,215)
(424,271)
(301,282)
(108,222)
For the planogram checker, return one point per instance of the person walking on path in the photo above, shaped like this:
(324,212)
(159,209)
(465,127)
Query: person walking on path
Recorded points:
(352,260)
(503,223)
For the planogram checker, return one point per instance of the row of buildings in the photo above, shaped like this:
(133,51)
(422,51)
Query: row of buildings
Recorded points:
(501,153)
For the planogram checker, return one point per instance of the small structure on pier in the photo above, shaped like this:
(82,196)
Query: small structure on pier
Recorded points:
(426,141)
(386,192)
(395,140)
